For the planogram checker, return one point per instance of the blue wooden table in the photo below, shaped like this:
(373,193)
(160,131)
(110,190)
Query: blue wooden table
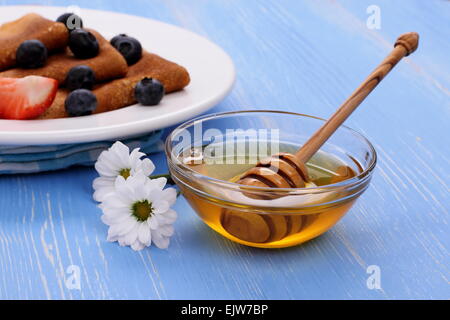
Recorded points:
(302,56)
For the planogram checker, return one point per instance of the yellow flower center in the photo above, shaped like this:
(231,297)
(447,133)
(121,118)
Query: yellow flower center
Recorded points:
(125,173)
(142,210)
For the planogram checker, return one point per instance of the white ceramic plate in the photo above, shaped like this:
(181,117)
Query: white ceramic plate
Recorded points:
(211,69)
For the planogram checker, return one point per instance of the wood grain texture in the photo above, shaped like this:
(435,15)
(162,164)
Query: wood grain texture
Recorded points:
(290,55)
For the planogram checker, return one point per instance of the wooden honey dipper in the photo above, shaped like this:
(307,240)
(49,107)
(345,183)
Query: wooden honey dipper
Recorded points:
(286,170)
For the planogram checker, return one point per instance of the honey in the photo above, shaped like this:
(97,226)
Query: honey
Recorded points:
(271,222)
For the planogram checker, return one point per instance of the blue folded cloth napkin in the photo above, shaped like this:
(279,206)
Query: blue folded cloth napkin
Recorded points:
(32,159)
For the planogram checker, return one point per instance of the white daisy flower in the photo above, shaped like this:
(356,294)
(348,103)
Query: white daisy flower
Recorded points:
(118,161)
(139,212)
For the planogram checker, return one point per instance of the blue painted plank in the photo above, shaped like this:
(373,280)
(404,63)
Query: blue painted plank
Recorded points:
(303,56)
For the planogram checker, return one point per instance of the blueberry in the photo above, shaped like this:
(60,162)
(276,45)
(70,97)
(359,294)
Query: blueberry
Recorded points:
(149,92)
(130,48)
(71,21)
(116,38)
(31,54)
(83,44)
(80,102)
(80,77)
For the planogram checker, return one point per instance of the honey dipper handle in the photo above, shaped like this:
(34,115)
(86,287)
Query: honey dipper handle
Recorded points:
(405,45)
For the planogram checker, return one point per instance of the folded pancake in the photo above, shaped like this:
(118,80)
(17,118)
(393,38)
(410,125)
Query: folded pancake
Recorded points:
(31,26)
(120,93)
(109,64)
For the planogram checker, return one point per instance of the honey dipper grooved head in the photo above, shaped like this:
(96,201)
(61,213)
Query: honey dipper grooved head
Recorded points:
(260,228)
(282,170)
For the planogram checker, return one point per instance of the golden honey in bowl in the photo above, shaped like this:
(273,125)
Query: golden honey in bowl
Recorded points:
(267,221)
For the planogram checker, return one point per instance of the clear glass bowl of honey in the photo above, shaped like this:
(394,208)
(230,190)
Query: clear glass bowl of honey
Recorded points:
(207,156)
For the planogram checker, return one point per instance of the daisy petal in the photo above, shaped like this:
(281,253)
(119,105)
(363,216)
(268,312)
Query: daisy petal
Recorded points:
(160,241)
(166,230)
(131,236)
(144,235)
(158,183)
(119,148)
(121,242)
(134,159)
(153,223)
(122,229)
(102,193)
(108,165)
(147,167)
(160,206)
(103,182)
(137,246)
(112,237)
(172,214)
(115,200)
(168,217)
(170,195)
(103,170)
(115,218)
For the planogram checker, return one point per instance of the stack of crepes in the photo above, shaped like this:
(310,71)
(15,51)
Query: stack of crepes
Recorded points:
(116,79)
(115,88)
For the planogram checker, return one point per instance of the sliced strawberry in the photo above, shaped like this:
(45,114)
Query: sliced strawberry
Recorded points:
(26,98)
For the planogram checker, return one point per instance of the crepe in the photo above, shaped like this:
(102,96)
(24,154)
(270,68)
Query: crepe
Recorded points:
(32,26)
(109,64)
(120,93)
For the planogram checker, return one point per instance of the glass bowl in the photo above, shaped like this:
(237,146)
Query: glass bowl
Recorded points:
(207,155)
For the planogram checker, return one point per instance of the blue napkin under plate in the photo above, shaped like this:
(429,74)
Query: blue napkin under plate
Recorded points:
(32,159)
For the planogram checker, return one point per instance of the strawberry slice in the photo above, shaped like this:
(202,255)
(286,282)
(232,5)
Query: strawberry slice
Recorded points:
(26,98)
